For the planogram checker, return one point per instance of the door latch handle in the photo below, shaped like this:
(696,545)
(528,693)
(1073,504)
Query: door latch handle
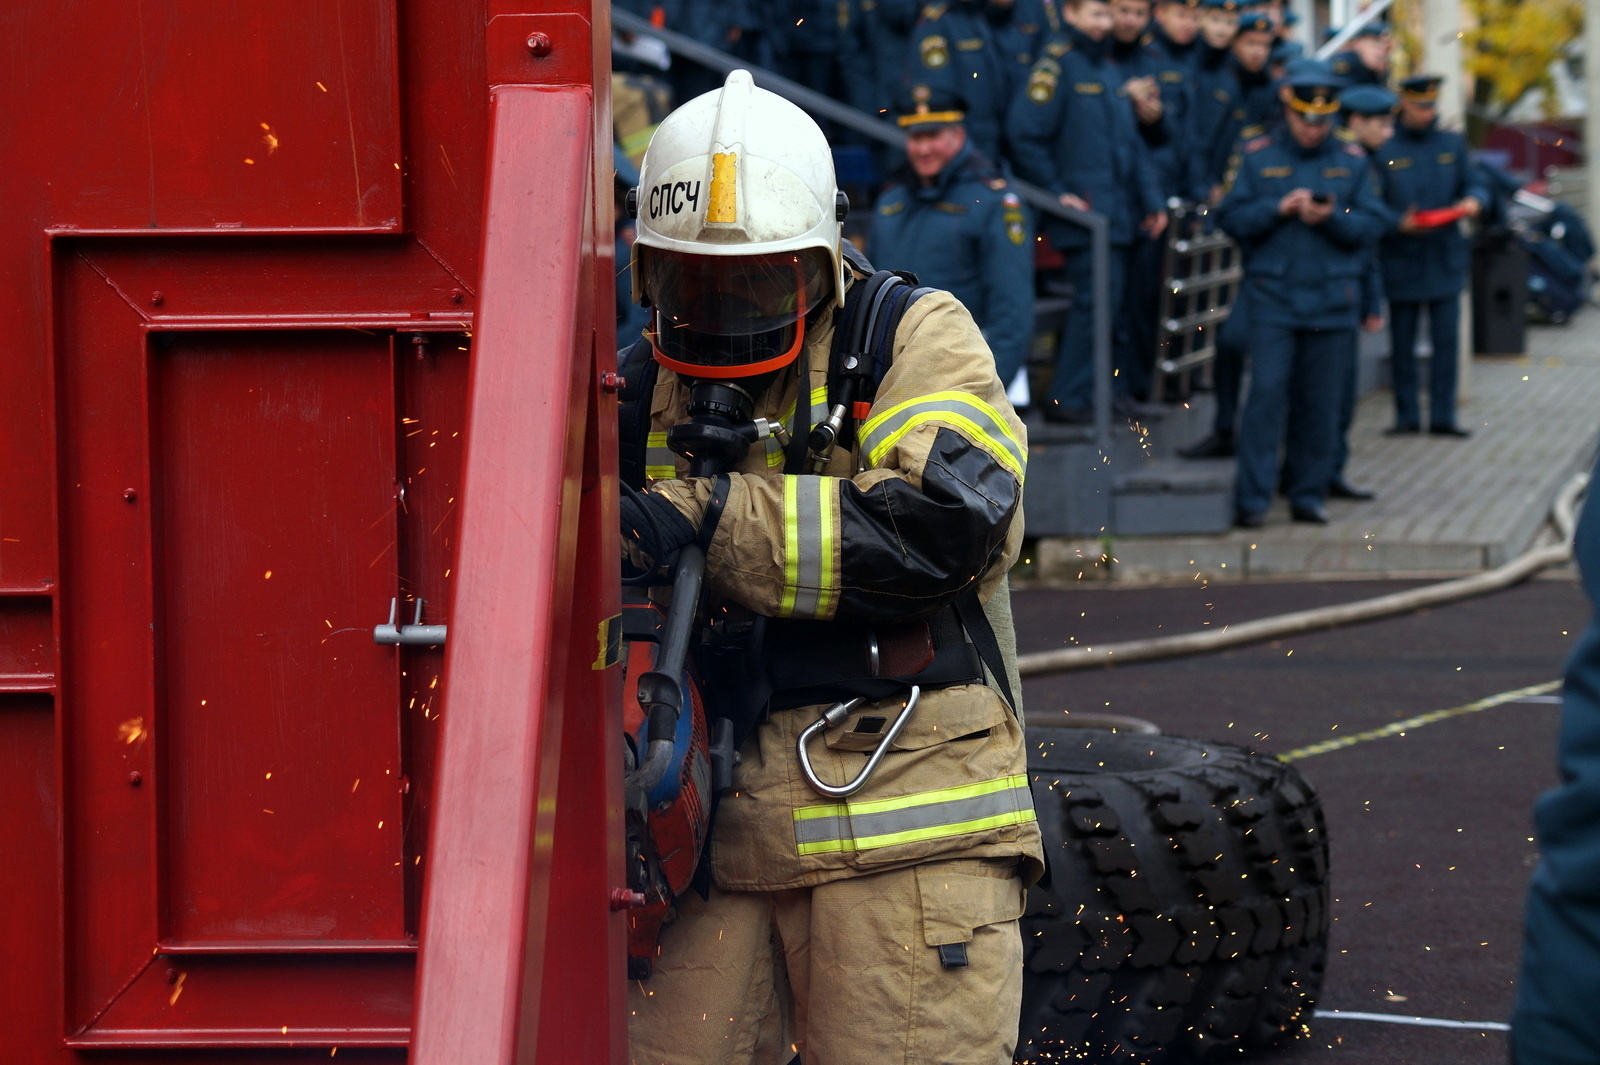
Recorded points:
(415,634)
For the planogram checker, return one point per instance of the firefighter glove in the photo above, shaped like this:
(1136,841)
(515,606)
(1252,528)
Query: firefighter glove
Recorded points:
(654,526)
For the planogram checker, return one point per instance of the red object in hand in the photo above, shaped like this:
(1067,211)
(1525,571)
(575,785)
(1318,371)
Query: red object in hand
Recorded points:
(1438,216)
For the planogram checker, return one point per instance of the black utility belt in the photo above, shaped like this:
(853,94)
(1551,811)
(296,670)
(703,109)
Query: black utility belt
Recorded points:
(813,662)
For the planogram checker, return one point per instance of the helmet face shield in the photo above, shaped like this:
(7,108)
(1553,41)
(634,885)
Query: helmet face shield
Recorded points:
(732,315)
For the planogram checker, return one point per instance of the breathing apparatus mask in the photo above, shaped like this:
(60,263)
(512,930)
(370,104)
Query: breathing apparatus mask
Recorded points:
(738,250)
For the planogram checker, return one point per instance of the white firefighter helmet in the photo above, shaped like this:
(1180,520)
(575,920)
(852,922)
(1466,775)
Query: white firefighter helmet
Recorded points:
(738,231)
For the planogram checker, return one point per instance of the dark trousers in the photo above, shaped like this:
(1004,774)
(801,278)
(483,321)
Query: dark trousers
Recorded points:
(1444,332)
(1227,366)
(1133,350)
(1346,406)
(1291,402)
(1072,386)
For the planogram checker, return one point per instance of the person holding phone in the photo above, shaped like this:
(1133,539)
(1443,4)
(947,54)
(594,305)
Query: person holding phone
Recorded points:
(1305,209)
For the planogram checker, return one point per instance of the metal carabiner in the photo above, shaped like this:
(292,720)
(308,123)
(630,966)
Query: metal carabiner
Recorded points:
(834,715)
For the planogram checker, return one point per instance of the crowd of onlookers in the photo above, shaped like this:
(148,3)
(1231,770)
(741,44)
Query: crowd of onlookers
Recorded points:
(1344,195)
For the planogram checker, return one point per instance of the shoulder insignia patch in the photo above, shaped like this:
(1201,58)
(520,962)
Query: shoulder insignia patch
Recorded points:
(1355,150)
(934,11)
(1344,133)
(1252,132)
(971,44)
(1042,85)
(1058,48)
(935,51)
(1011,215)
(1257,143)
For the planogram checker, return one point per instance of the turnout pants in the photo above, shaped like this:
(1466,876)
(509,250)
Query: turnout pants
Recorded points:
(1444,333)
(865,970)
(1294,375)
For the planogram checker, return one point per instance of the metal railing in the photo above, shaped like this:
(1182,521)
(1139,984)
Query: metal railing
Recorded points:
(1202,272)
(822,106)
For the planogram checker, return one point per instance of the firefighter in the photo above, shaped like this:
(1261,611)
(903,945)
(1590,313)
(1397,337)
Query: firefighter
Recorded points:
(881,926)
(1074,135)
(1304,207)
(1425,268)
(949,217)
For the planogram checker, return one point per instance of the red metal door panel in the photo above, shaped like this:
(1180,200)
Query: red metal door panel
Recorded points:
(274,492)
(220,115)
(234,526)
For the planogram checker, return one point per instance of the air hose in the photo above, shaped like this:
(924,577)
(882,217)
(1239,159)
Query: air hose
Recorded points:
(1563,514)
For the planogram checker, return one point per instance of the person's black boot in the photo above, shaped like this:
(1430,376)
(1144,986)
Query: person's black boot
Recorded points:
(1343,489)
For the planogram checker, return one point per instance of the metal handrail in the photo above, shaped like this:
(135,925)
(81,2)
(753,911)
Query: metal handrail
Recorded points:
(817,103)
(1185,286)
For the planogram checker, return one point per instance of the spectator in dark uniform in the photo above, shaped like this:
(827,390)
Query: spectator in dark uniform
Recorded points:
(1369,123)
(1283,53)
(1555,1021)
(1249,105)
(948,217)
(973,48)
(821,45)
(1213,90)
(1175,33)
(1252,101)
(1425,266)
(1075,136)
(1157,83)
(1366,61)
(1304,207)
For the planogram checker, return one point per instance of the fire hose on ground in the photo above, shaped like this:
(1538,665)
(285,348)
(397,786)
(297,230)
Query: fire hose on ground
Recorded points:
(1563,514)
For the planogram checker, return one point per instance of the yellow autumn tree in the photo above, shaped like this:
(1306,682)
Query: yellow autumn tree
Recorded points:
(1510,45)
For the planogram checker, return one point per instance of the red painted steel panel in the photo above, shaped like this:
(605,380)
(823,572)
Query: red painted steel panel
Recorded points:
(526,830)
(275,498)
(230,116)
(27,644)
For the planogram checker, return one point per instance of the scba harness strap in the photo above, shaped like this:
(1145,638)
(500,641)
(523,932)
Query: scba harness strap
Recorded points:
(780,663)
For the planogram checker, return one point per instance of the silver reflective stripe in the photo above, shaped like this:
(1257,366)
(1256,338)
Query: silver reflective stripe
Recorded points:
(810,578)
(914,818)
(964,412)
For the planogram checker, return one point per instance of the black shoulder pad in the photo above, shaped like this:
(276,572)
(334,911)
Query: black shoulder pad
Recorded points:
(638,369)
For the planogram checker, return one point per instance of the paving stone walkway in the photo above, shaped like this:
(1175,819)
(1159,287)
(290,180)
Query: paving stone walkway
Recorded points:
(1444,506)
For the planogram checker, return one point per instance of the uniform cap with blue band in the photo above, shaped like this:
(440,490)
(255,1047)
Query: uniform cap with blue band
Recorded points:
(923,108)
(1421,88)
(1368,100)
(1313,90)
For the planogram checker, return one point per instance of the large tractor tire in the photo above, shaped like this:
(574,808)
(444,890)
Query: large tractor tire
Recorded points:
(1187,914)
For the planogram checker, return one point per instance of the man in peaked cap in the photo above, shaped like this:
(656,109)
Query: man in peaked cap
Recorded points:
(1304,207)
(1423,168)
(948,216)
(1074,135)
(1366,60)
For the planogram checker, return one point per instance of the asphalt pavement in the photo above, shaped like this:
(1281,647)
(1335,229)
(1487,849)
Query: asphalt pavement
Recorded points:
(1429,827)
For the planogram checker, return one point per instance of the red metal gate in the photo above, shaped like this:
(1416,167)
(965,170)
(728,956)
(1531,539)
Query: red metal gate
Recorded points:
(298,337)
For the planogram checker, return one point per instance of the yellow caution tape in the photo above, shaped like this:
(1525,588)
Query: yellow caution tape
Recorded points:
(1397,728)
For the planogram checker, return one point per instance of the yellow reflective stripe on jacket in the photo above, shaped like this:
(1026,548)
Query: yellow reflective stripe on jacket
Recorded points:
(660,464)
(819,405)
(974,418)
(775,455)
(859,826)
(810,575)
